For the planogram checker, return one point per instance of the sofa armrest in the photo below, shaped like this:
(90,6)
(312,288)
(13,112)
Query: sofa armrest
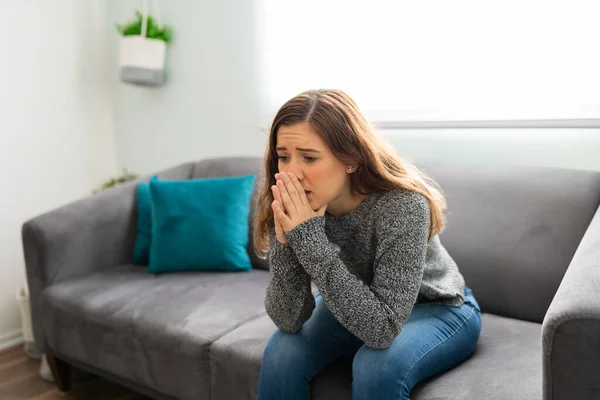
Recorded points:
(77,239)
(571,327)
(82,237)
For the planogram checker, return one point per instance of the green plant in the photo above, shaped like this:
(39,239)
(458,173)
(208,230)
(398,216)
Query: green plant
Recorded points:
(153,31)
(125,177)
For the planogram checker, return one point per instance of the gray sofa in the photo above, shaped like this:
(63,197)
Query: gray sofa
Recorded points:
(526,239)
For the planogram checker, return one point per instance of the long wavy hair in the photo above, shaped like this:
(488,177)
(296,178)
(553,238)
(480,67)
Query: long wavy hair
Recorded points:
(337,119)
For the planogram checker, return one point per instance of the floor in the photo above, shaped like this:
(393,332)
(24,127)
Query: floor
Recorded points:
(20,380)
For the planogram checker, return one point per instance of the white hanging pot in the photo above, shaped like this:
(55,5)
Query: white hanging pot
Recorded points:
(142,59)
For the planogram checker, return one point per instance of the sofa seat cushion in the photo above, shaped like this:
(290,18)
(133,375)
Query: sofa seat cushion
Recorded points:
(151,329)
(506,365)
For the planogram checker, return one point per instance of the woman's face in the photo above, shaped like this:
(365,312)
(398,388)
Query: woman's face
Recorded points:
(324,178)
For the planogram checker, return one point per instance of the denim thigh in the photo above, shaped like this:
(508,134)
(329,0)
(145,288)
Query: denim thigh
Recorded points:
(433,339)
(291,361)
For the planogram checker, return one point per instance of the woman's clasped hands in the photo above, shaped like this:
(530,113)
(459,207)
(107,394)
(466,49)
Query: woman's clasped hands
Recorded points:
(290,205)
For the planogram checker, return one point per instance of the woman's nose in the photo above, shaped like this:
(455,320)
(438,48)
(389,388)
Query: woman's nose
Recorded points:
(296,170)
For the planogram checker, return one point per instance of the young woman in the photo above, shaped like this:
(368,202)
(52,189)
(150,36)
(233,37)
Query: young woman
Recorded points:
(341,209)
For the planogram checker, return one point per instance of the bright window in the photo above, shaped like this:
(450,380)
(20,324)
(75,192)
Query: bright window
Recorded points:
(436,60)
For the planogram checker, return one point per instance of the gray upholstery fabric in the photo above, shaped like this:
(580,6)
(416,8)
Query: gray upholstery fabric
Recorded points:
(81,237)
(179,172)
(571,329)
(510,227)
(235,358)
(154,330)
(135,386)
(506,365)
(237,166)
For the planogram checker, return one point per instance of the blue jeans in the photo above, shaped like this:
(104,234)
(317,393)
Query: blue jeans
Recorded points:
(433,339)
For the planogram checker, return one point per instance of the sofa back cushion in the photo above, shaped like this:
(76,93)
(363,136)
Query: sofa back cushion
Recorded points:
(236,166)
(513,230)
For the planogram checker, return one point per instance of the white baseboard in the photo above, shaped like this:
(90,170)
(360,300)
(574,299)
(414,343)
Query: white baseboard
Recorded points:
(11,339)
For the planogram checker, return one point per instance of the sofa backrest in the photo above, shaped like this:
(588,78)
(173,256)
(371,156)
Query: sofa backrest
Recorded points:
(236,166)
(513,230)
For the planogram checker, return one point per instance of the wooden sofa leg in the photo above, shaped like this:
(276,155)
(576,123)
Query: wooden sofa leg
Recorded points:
(61,372)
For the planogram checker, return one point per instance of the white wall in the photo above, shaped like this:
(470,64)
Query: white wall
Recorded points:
(209,105)
(564,148)
(57,136)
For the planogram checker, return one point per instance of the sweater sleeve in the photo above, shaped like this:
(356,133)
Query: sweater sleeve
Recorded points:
(289,301)
(374,313)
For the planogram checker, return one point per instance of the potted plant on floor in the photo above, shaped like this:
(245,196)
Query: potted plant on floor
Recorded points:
(143,47)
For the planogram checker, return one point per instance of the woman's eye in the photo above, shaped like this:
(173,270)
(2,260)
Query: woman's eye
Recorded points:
(310,159)
(282,158)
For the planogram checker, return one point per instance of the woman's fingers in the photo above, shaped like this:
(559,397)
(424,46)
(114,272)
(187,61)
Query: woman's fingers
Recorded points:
(277,210)
(279,215)
(286,199)
(292,191)
(298,188)
(276,194)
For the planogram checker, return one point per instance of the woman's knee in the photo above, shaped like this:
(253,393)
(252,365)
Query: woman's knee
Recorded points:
(376,374)
(376,370)
(283,350)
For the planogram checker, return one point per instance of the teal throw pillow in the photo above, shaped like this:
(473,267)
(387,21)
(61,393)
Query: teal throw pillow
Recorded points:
(143,237)
(200,224)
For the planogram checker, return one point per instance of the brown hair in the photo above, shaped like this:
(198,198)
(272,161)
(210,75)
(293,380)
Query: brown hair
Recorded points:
(335,116)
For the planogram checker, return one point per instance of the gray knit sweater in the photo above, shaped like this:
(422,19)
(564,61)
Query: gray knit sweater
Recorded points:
(371,267)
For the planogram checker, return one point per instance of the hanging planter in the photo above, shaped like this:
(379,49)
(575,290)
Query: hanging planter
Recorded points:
(143,48)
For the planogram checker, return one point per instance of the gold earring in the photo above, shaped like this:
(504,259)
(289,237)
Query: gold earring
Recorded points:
(350,170)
